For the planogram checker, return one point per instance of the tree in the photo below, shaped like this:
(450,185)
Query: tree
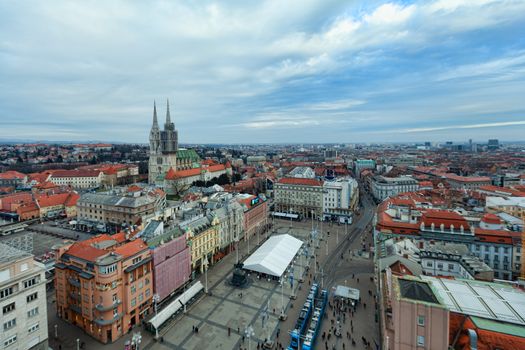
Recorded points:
(60,159)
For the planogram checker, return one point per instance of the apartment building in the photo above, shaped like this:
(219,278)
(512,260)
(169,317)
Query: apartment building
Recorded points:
(104,284)
(22,300)
(384,187)
(255,214)
(340,198)
(299,196)
(202,234)
(112,209)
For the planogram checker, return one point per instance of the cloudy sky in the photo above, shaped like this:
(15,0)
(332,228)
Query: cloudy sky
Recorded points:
(263,71)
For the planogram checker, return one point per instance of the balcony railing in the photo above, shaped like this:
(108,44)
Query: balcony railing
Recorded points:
(101,307)
(103,322)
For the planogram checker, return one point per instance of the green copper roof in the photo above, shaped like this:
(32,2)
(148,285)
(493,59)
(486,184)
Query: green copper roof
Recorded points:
(500,327)
(190,154)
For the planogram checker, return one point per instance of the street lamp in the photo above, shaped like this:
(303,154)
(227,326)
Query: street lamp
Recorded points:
(237,246)
(205,264)
(136,339)
(156,299)
(78,344)
(282,317)
(249,332)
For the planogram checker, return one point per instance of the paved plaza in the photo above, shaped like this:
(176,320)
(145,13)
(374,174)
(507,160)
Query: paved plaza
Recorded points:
(223,316)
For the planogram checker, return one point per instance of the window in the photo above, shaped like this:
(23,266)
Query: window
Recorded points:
(115,312)
(9,341)
(33,328)
(32,312)
(147,292)
(429,263)
(31,282)
(421,320)
(451,266)
(8,308)
(133,289)
(9,324)
(32,297)
(141,297)
(106,270)
(133,302)
(140,285)
(136,260)
(4,293)
(420,340)
(114,297)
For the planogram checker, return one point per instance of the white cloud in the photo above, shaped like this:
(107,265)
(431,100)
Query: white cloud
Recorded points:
(218,63)
(454,127)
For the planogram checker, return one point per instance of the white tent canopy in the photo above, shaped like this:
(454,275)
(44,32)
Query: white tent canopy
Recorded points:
(274,256)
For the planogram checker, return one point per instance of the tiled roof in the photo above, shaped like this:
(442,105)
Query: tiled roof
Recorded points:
(46,200)
(491,219)
(12,175)
(300,181)
(451,176)
(76,173)
(445,217)
(131,248)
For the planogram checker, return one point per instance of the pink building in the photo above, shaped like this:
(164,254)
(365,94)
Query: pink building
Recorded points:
(172,266)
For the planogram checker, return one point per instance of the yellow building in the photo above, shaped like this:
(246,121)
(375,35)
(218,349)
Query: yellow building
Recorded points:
(202,234)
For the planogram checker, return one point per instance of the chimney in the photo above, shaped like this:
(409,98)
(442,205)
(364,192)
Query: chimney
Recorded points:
(473,339)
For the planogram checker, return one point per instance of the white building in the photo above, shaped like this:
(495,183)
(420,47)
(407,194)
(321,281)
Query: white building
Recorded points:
(77,178)
(384,187)
(340,198)
(453,260)
(23,301)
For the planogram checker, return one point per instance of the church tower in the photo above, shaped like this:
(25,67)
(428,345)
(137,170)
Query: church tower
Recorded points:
(163,148)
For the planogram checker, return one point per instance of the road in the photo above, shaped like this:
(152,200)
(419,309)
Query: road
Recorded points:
(339,265)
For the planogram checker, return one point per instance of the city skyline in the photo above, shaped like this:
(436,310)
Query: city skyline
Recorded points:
(307,72)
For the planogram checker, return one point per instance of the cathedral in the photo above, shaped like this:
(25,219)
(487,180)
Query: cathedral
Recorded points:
(163,147)
(174,168)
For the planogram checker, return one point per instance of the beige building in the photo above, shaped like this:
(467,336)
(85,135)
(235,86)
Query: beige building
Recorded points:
(202,235)
(110,209)
(77,178)
(299,196)
(22,300)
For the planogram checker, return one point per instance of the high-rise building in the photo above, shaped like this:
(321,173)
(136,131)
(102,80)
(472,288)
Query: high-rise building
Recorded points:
(23,301)
(493,144)
(163,147)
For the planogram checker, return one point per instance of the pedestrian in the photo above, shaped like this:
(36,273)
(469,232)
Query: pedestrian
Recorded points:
(193,329)
(229,331)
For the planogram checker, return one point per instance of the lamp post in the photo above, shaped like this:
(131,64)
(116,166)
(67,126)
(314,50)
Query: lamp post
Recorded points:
(282,316)
(78,344)
(156,299)
(205,264)
(249,332)
(237,246)
(136,339)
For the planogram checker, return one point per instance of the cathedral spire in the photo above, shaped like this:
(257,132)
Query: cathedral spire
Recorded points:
(168,117)
(155,122)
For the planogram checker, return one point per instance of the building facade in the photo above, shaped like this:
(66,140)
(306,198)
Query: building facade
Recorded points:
(384,187)
(78,179)
(299,196)
(104,285)
(22,300)
(340,198)
(113,210)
